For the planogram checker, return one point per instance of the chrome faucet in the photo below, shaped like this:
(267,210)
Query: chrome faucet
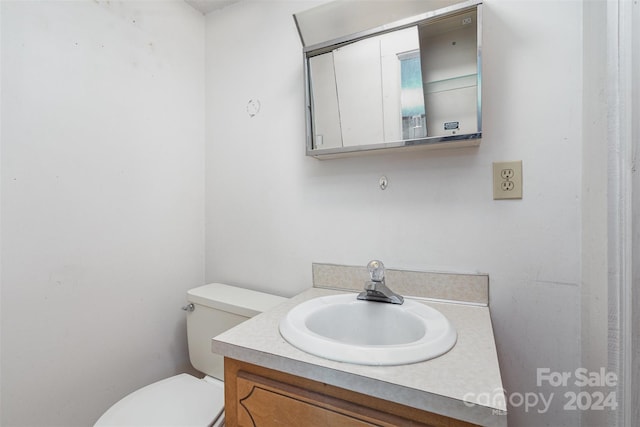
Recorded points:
(376,289)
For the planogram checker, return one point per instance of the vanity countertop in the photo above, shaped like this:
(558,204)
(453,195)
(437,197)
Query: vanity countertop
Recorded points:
(464,383)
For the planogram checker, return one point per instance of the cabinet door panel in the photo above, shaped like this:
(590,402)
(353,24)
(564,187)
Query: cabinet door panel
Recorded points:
(263,402)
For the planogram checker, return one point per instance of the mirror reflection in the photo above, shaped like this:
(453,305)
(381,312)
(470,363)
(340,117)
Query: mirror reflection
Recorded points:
(414,124)
(411,84)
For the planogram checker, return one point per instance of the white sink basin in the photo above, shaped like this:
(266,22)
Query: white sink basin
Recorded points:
(343,328)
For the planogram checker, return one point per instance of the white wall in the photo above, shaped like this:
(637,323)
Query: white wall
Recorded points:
(271,211)
(594,289)
(102,201)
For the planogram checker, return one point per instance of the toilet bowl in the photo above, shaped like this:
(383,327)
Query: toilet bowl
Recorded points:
(184,400)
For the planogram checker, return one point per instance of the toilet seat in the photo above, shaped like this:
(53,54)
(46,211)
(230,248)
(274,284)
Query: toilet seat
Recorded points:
(182,400)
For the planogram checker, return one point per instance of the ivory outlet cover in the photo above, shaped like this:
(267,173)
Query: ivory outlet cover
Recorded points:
(507,180)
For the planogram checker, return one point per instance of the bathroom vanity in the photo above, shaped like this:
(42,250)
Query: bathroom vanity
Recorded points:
(270,382)
(259,396)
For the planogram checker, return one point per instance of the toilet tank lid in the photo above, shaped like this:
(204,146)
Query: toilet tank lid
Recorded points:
(243,302)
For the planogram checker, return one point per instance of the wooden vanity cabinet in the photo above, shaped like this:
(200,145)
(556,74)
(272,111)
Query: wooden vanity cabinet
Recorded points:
(262,397)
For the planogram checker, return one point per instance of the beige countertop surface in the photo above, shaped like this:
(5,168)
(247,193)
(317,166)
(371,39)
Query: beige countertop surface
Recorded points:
(464,383)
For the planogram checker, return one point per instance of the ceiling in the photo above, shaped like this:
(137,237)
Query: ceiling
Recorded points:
(206,6)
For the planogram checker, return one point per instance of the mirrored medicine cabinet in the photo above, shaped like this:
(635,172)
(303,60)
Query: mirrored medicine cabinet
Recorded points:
(412,83)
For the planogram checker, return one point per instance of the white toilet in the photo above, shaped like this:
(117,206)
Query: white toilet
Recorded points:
(184,400)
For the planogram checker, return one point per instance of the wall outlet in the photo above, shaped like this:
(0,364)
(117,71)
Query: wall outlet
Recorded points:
(507,180)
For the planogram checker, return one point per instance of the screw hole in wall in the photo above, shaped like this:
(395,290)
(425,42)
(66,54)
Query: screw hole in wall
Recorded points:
(383,182)
(253,107)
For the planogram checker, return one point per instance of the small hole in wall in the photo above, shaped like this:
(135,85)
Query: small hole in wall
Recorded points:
(253,107)
(383,182)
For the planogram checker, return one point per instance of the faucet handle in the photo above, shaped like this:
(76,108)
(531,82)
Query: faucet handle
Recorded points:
(376,270)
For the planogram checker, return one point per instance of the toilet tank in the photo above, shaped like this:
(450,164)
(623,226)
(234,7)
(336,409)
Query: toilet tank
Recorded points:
(217,308)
